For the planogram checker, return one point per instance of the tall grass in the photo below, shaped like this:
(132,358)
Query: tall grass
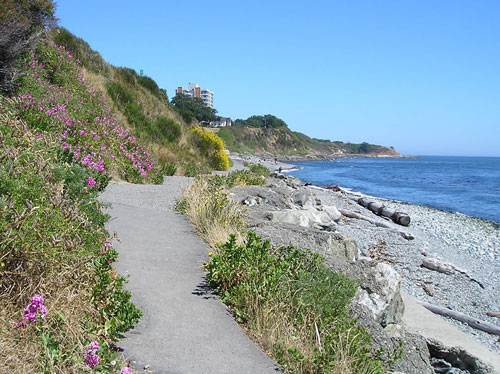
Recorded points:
(214,215)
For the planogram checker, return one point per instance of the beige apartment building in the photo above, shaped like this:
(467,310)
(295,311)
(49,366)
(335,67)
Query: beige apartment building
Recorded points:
(194,90)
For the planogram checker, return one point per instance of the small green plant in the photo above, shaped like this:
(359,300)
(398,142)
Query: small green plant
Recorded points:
(260,170)
(168,129)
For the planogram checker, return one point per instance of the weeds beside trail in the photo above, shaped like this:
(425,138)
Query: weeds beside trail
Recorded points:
(208,207)
(53,243)
(290,304)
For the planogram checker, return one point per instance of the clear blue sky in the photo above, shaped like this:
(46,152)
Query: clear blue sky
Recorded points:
(422,76)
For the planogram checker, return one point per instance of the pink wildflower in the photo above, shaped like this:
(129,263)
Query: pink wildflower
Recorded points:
(36,306)
(90,356)
(91,182)
(125,370)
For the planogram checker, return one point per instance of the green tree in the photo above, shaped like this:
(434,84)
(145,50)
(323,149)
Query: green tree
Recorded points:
(195,107)
(268,121)
(21,23)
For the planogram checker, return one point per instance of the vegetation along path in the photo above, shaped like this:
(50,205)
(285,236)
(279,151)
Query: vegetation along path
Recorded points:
(184,329)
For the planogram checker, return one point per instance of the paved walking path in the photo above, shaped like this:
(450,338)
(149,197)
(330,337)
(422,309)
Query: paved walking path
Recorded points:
(185,328)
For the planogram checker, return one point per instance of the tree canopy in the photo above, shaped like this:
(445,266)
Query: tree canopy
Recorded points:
(195,107)
(267,121)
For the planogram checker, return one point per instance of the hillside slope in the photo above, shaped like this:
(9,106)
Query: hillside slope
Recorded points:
(139,105)
(69,122)
(295,145)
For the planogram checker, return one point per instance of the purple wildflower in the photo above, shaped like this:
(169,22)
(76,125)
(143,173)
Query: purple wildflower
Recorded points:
(90,356)
(125,370)
(20,324)
(36,306)
(91,182)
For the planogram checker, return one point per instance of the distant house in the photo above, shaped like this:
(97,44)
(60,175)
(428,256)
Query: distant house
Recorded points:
(195,91)
(222,122)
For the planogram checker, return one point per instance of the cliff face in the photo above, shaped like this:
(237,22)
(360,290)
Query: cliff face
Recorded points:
(295,145)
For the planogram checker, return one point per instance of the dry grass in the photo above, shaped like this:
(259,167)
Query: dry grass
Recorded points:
(66,309)
(213,214)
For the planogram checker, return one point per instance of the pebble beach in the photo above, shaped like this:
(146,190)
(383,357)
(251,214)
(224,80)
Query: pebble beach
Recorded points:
(470,244)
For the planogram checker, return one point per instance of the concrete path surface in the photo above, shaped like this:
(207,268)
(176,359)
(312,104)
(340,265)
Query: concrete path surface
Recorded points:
(419,320)
(185,328)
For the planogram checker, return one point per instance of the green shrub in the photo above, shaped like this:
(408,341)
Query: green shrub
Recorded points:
(186,115)
(168,128)
(128,75)
(244,178)
(120,94)
(259,169)
(291,293)
(149,84)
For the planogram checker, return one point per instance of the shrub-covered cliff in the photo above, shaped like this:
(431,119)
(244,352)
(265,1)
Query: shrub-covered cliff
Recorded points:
(280,140)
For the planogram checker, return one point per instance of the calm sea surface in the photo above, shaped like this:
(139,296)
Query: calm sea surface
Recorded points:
(469,185)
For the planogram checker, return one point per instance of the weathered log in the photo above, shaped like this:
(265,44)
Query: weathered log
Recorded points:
(386,225)
(439,266)
(493,314)
(447,268)
(471,321)
(359,216)
(380,209)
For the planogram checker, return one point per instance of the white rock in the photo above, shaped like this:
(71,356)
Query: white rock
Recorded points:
(302,217)
(333,212)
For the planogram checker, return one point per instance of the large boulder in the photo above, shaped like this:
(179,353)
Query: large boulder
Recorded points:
(380,294)
(310,217)
(333,212)
(304,199)
(326,243)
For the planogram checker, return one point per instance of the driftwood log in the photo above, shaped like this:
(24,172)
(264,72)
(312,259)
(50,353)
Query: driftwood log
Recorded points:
(471,321)
(447,268)
(386,225)
(400,218)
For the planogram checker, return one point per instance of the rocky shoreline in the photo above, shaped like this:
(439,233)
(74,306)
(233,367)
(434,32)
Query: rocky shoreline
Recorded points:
(379,253)
(286,159)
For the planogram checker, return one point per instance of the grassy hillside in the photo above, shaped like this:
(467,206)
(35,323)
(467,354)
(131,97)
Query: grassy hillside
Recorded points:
(73,123)
(139,105)
(283,141)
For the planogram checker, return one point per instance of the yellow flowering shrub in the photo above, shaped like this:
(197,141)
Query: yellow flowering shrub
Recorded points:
(212,147)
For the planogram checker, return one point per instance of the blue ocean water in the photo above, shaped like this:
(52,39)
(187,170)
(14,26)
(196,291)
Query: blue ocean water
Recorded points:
(469,185)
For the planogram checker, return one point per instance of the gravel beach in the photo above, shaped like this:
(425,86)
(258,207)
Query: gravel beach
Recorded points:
(471,245)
